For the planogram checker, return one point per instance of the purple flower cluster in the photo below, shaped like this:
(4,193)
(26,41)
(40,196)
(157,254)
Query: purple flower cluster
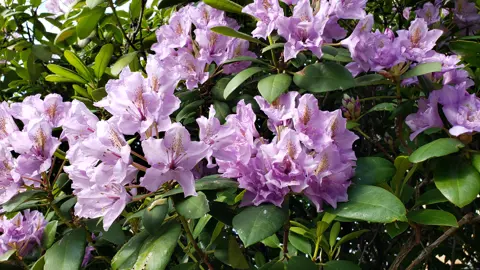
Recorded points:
(311,152)
(309,27)
(186,46)
(21,233)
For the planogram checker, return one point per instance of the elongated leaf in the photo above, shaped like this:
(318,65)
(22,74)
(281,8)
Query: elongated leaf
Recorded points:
(273,86)
(127,255)
(236,258)
(122,62)
(431,197)
(102,59)
(224,5)
(245,58)
(334,234)
(64,34)
(39,264)
(222,110)
(383,107)
(211,182)
(229,32)
(432,217)
(437,148)
(396,228)
(422,69)
(59,79)
(239,79)
(300,262)
(273,46)
(324,77)
(73,59)
(6,256)
(348,237)
(16,201)
(67,73)
(460,183)
(154,215)
(87,23)
(67,253)
(257,223)
(271,241)
(373,204)
(373,170)
(369,79)
(301,243)
(341,265)
(193,207)
(49,234)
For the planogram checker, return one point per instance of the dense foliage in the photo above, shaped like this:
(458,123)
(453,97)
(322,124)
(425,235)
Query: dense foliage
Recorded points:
(218,134)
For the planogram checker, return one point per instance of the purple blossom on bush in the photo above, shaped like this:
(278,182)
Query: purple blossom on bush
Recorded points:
(268,12)
(429,12)
(7,124)
(466,17)
(426,117)
(418,41)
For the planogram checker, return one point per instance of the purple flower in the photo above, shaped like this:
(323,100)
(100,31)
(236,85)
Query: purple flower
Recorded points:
(191,69)
(161,76)
(467,17)
(205,17)
(172,158)
(88,255)
(429,12)
(238,47)
(349,9)
(267,12)
(302,31)
(8,186)
(79,123)
(174,35)
(406,13)
(212,46)
(461,109)
(22,232)
(281,111)
(59,6)
(418,41)
(7,125)
(426,117)
(360,32)
(51,108)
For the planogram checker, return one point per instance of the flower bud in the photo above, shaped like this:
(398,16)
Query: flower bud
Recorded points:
(351,107)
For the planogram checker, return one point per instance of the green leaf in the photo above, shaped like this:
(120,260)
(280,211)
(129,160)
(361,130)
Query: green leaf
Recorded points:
(373,170)
(383,107)
(431,197)
(42,52)
(422,69)
(229,32)
(396,228)
(156,252)
(341,265)
(154,215)
(401,166)
(351,125)
(98,94)
(432,217)
(437,148)
(219,88)
(189,108)
(67,73)
(224,5)
(64,34)
(239,79)
(39,264)
(49,234)
(373,204)
(334,233)
(94,3)
(193,207)
(348,237)
(59,79)
(300,262)
(257,223)
(6,256)
(236,258)
(460,183)
(273,46)
(271,241)
(476,161)
(202,222)
(87,23)
(222,110)
(185,266)
(116,68)
(127,255)
(273,86)
(324,77)
(245,58)
(73,59)
(369,79)
(16,201)
(301,243)
(465,48)
(211,182)
(67,253)
(102,59)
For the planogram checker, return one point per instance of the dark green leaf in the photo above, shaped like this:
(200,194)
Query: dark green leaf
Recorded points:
(87,23)
(396,228)
(189,108)
(185,266)
(229,32)
(257,223)
(300,262)
(49,234)
(102,59)
(271,241)
(193,207)
(98,94)
(348,237)
(341,265)
(39,264)
(273,46)
(422,69)
(437,148)
(239,79)
(127,255)
(222,110)
(116,68)
(211,182)
(383,107)
(373,170)
(273,86)
(301,243)
(432,217)
(245,58)
(373,204)
(460,183)
(154,215)
(236,258)
(219,88)
(16,201)
(224,5)
(324,77)
(431,197)
(67,253)
(42,52)
(369,79)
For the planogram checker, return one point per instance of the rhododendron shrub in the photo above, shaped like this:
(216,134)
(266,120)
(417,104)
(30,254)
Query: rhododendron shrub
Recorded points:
(256,134)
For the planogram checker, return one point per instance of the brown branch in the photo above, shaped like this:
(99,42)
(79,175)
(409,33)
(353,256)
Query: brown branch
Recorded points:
(403,253)
(286,230)
(468,218)
(203,255)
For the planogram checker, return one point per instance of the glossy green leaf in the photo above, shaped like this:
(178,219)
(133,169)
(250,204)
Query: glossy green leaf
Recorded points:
(67,253)
(341,265)
(476,161)
(39,264)
(211,182)
(254,224)
(396,228)
(373,204)
(193,207)
(460,184)
(239,79)
(219,88)
(49,234)
(273,46)
(349,237)
(16,201)
(73,59)
(300,262)
(127,255)
(422,69)
(236,258)
(334,234)
(155,253)
(59,79)
(373,170)
(432,217)
(369,79)
(229,32)
(437,148)
(154,215)
(273,86)
(102,59)
(87,23)
(116,68)
(245,58)
(301,243)
(324,77)
(272,241)
(188,109)
(431,197)
(65,34)
(383,107)
(225,5)
(222,110)
(185,266)
(67,73)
